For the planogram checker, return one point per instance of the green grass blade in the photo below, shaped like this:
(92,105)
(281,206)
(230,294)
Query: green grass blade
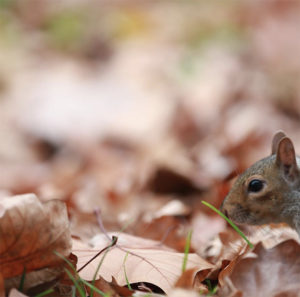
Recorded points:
(230,222)
(106,250)
(22,281)
(211,289)
(126,278)
(92,287)
(75,282)
(65,259)
(78,284)
(73,291)
(70,264)
(186,250)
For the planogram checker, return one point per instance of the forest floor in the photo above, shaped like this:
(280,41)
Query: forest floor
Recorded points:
(117,120)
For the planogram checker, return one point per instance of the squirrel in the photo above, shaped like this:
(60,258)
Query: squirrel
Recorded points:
(269,190)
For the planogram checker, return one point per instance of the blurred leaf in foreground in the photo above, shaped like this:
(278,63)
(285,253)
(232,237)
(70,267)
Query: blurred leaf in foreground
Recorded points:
(30,232)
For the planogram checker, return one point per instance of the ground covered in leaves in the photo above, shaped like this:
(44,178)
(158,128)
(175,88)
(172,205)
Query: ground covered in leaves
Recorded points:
(117,118)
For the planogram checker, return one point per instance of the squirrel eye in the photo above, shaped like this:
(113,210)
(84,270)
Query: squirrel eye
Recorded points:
(255,185)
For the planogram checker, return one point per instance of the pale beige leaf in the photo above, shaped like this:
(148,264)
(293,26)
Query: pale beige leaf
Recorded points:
(16,293)
(147,261)
(30,232)
(183,293)
(272,235)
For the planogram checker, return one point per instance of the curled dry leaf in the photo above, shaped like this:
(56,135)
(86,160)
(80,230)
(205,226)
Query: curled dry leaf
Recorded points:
(192,278)
(30,232)
(234,250)
(272,234)
(273,272)
(225,251)
(146,261)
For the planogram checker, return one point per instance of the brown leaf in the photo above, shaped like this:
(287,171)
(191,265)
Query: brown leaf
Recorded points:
(30,232)
(105,287)
(187,278)
(2,290)
(123,291)
(147,261)
(166,228)
(272,235)
(225,252)
(272,272)
(168,181)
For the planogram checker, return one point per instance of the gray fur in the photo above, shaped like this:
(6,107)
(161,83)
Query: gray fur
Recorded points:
(278,201)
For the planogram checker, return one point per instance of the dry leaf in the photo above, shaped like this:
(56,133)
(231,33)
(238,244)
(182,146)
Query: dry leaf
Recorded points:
(107,288)
(174,207)
(2,290)
(16,293)
(123,291)
(273,272)
(202,234)
(145,262)
(30,232)
(168,181)
(272,234)
(169,229)
(187,279)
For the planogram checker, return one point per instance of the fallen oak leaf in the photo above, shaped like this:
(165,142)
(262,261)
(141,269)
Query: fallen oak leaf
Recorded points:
(30,232)
(145,263)
(272,235)
(225,251)
(235,251)
(187,278)
(272,272)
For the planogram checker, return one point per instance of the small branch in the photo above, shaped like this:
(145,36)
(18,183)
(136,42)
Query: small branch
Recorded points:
(113,243)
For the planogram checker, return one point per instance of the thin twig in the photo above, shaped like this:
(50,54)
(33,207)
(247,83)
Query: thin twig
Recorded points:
(113,242)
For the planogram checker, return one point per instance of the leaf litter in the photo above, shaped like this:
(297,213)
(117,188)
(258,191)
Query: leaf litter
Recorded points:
(146,261)
(142,119)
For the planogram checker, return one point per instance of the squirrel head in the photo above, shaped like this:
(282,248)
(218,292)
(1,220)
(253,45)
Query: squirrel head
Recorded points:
(262,193)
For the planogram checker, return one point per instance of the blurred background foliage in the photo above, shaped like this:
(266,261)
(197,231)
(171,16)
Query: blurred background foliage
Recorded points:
(207,74)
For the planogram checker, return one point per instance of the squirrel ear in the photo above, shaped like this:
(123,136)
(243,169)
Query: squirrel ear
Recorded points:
(276,139)
(286,159)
